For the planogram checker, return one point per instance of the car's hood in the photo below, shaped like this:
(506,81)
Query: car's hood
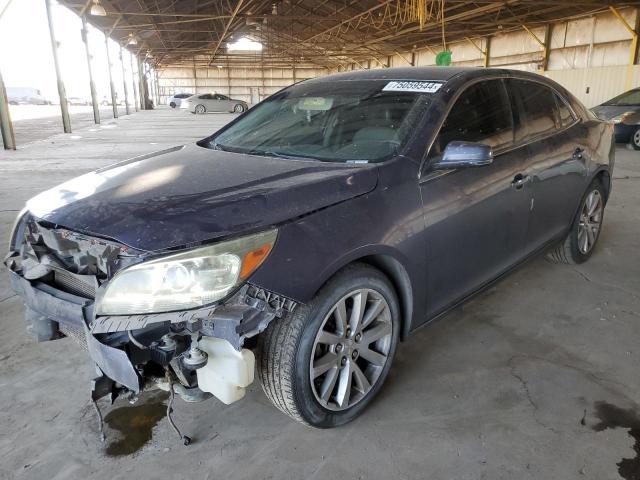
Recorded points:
(607,112)
(190,194)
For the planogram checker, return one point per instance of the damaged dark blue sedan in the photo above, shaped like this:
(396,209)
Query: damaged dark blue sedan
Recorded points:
(307,237)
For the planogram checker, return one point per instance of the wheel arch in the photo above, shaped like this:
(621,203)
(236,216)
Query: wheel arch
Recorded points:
(391,267)
(399,278)
(604,177)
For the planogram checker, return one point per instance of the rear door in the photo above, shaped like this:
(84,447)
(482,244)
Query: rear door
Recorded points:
(476,218)
(557,149)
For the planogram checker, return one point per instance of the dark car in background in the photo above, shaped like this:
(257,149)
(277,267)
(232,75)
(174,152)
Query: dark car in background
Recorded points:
(316,230)
(624,112)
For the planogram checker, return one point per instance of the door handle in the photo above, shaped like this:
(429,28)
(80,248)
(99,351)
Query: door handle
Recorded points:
(519,180)
(577,153)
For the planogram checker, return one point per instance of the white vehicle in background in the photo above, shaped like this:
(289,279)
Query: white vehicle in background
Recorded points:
(175,100)
(78,101)
(26,96)
(213,102)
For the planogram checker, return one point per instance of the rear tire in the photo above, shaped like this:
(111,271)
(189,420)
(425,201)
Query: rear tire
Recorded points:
(325,384)
(635,139)
(579,244)
(173,105)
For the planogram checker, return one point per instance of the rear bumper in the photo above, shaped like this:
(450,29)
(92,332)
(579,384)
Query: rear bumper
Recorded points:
(47,304)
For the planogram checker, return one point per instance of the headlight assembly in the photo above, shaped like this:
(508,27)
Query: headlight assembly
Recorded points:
(17,231)
(185,280)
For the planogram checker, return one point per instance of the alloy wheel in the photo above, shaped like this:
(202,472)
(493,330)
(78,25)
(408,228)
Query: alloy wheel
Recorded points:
(636,138)
(590,221)
(351,349)
(239,108)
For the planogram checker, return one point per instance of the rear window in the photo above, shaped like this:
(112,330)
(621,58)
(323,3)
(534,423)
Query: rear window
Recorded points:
(566,116)
(627,99)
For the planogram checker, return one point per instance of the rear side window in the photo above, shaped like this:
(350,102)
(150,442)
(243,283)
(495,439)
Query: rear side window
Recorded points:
(481,114)
(566,116)
(538,110)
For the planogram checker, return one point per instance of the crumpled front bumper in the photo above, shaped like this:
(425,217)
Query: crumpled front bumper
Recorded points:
(243,316)
(64,308)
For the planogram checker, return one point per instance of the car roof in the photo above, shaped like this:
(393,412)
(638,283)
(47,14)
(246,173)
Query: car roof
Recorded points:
(441,74)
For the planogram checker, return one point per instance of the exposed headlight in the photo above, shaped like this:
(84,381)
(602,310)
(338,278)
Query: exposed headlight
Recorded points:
(622,117)
(185,280)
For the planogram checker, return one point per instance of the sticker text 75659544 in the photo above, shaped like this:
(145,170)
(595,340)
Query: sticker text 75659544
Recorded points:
(421,87)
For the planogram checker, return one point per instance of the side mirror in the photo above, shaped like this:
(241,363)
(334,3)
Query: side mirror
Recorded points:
(464,154)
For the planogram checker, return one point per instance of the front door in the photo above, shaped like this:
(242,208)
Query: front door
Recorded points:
(476,217)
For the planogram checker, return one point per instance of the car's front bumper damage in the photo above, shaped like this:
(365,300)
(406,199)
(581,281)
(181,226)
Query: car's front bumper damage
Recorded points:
(59,274)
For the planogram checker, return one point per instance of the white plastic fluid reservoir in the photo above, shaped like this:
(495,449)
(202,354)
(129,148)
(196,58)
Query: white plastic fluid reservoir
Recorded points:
(227,372)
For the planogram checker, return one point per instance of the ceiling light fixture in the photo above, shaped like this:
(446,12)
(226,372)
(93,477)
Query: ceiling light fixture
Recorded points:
(132,39)
(245,44)
(97,10)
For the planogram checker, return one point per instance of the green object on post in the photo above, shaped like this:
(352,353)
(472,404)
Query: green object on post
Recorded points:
(443,59)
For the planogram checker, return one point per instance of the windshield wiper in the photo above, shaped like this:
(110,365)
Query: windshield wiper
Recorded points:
(213,145)
(271,153)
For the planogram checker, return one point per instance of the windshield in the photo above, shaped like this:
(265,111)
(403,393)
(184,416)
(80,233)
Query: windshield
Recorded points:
(627,99)
(340,121)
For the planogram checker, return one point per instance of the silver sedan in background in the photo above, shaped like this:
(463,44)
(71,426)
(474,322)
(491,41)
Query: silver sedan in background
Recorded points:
(213,102)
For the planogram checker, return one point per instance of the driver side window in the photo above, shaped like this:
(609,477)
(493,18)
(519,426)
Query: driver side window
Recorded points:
(482,114)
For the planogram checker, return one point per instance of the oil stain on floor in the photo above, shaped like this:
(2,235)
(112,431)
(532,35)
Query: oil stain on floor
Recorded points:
(135,424)
(611,416)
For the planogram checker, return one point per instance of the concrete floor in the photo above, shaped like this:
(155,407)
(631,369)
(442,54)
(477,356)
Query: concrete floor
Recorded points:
(39,122)
(535,379)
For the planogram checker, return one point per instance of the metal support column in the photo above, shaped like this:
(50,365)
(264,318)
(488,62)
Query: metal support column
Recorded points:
(633,53)
(133,81)
(92,85)
(64,107)
(487,52)
(158,87)
(544,45)
(143,87)
(124,84)
(150,86)
(8,137)
(114,98)
(484,53)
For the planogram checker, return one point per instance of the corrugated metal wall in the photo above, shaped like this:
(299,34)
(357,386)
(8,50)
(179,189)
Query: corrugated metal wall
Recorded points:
(589,56)
(248,84)
(593,86)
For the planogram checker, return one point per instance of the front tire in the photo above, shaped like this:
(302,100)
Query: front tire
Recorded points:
(239,108)
(173,105)
(323,364)
(578,246)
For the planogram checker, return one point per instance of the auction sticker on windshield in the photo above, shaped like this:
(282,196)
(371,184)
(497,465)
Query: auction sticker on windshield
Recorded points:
(422,87)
